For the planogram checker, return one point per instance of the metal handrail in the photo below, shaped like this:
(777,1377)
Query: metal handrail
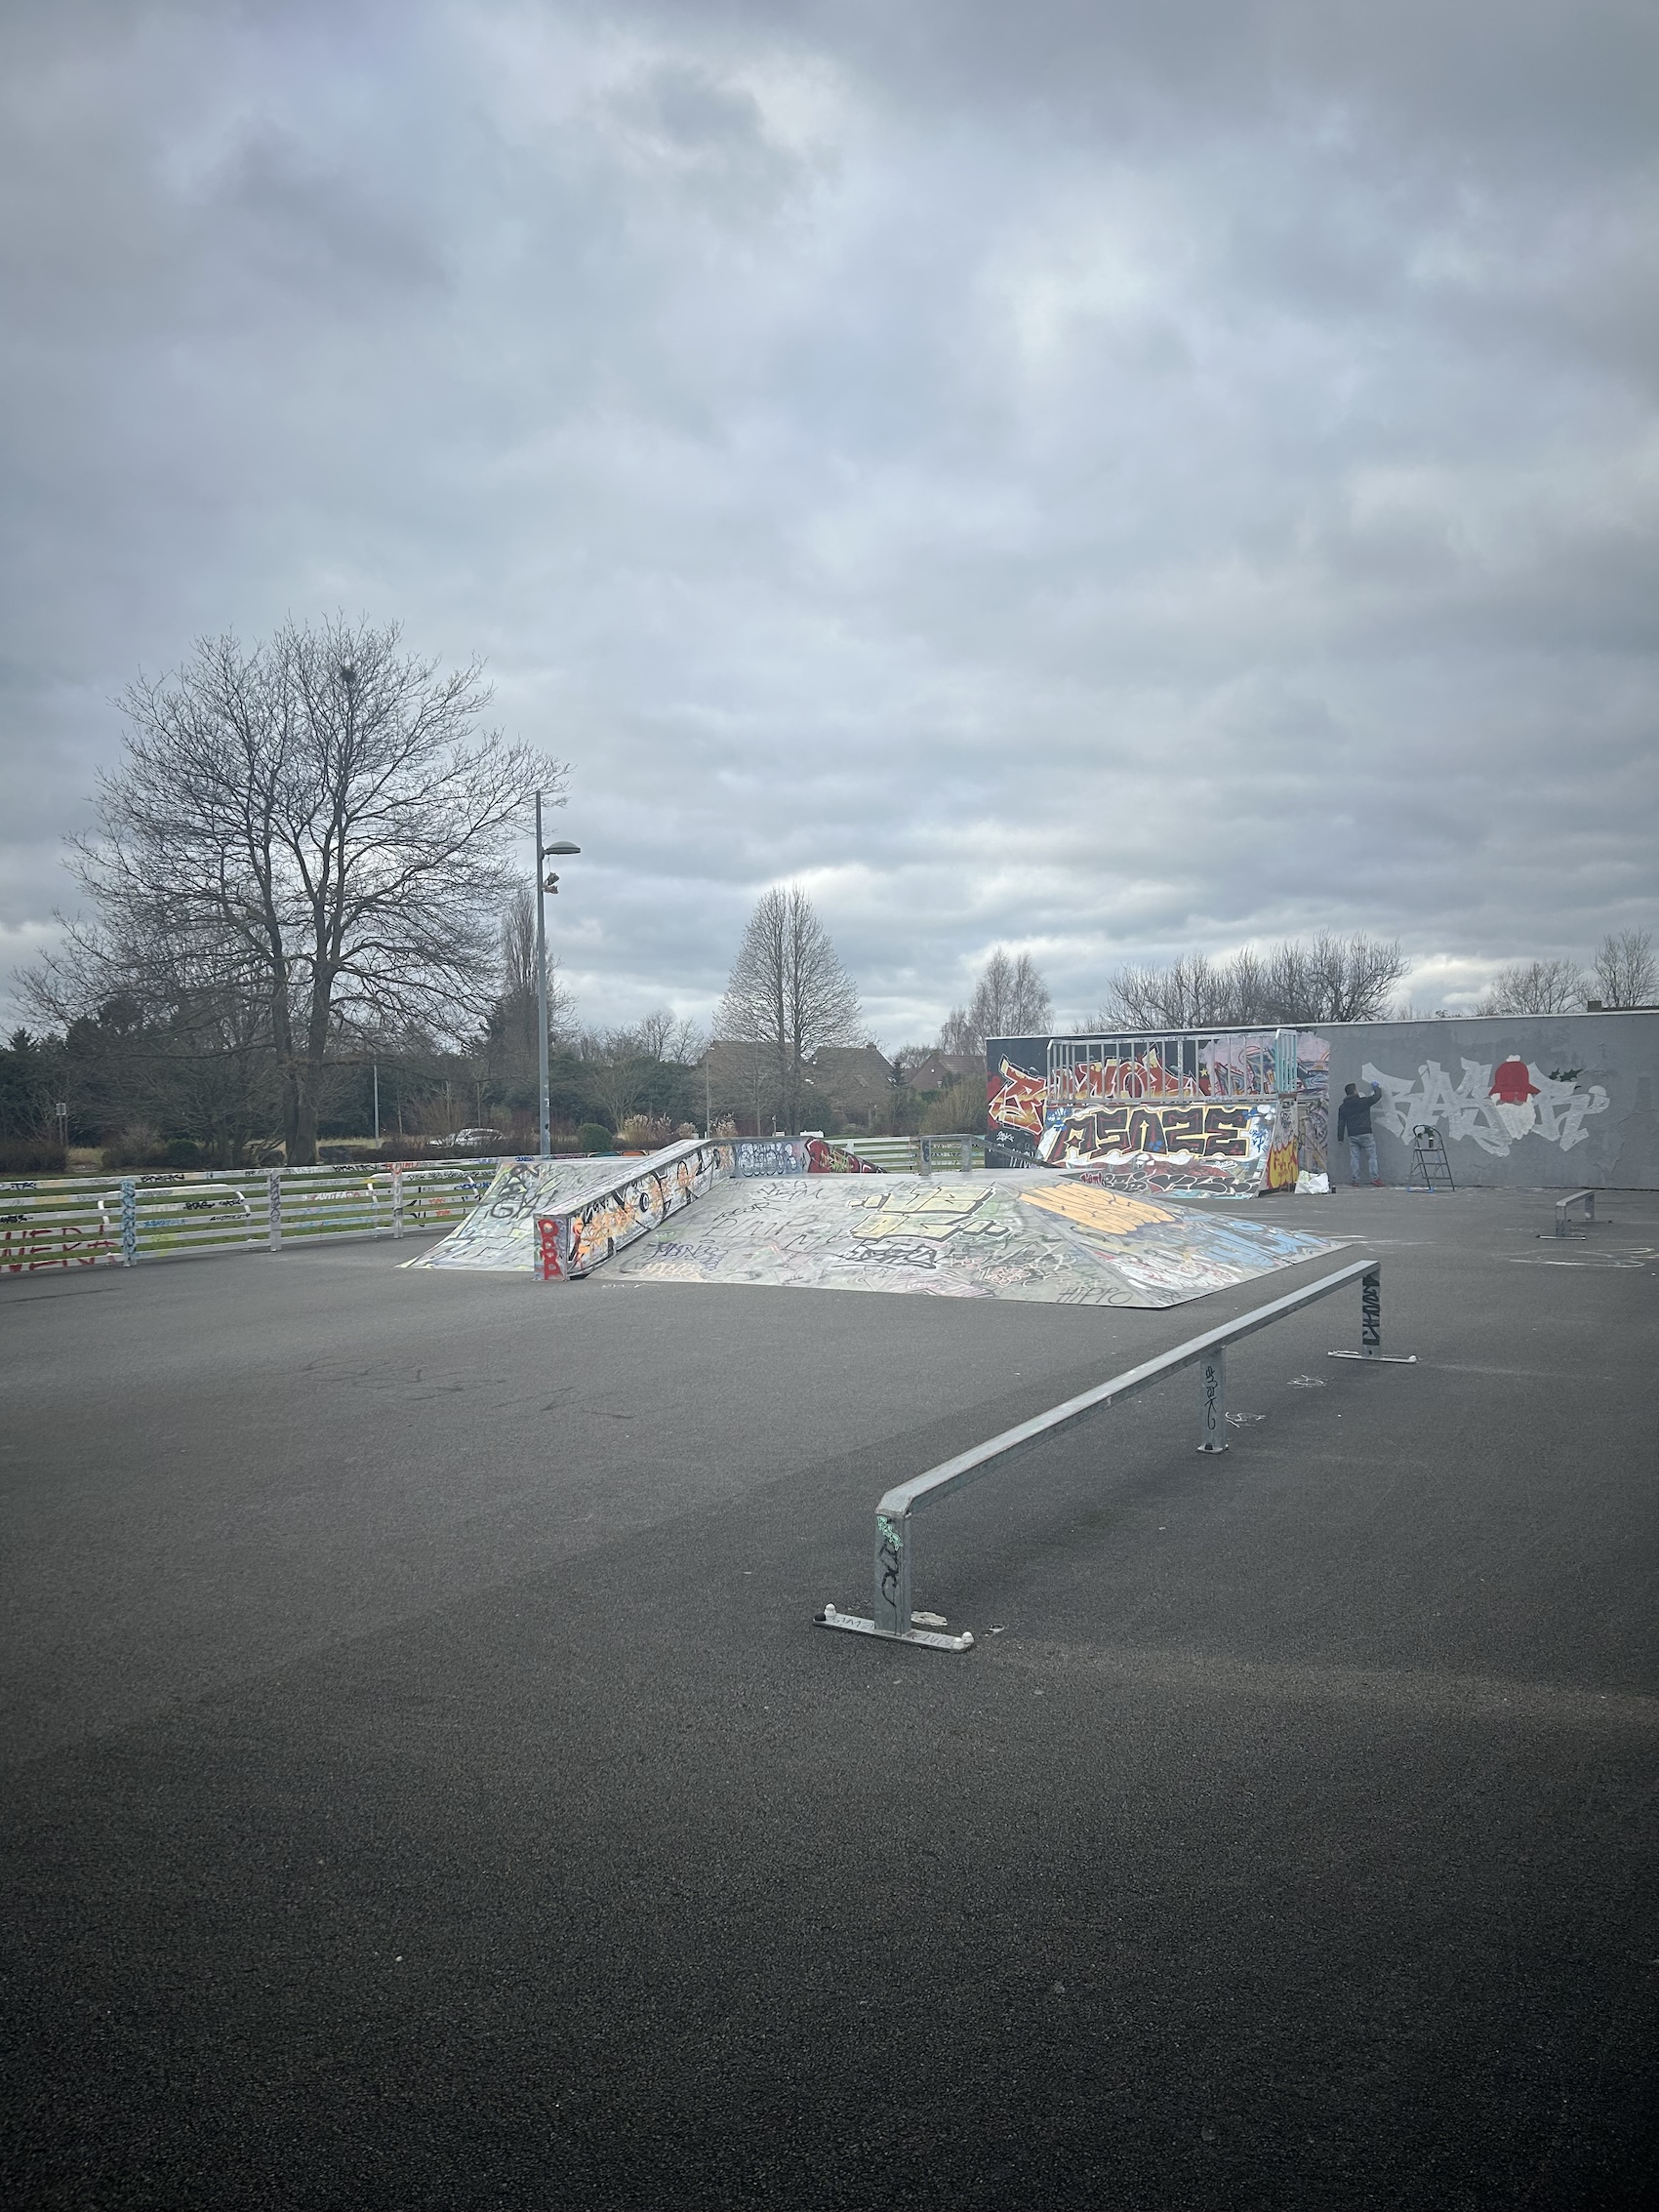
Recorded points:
(1571,1199)
(894,1549)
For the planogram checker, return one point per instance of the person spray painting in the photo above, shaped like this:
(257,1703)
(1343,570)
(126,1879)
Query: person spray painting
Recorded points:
(1354,1122)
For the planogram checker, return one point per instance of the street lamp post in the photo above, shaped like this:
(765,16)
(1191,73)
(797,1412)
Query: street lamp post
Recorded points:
(543,884)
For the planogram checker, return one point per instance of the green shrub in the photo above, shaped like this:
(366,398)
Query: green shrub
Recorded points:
(595,1137)
(405,1148)
(30,1155)
(136,1145)
(181,1151)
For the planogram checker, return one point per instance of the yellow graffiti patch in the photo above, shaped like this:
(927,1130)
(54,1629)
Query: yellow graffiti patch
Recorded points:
(917,1212)
(1108,1211)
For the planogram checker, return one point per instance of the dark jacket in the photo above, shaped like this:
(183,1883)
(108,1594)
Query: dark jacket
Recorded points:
(1353,1116)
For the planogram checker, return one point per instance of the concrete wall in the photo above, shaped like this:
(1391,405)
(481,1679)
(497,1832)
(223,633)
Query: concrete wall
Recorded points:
(1581,1109)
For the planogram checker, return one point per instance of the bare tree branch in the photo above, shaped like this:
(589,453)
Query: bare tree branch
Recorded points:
(320,825)
(1626,971)
(1009,1000)
(1535,986)
(788,992)
(1329,979)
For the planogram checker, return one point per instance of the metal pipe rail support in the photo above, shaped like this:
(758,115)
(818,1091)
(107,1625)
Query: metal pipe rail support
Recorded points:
(1571,1199)
(894,1546)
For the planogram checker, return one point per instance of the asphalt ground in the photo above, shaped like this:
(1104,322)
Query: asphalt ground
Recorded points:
(424,1785)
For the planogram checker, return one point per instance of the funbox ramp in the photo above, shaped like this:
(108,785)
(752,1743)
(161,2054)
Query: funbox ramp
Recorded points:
(500,1232)
(1038,1235)
(601,1201)
(1035,1235)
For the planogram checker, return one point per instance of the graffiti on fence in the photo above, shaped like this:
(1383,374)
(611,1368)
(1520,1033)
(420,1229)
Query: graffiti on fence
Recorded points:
(28,1244)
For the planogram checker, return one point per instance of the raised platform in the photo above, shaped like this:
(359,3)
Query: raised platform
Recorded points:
(1039,1237)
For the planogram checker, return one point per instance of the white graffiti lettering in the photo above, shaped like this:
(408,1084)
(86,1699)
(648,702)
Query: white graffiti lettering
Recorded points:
(1496,1115)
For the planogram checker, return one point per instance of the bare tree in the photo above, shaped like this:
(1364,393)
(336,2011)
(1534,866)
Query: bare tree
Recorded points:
(1328,979)
(317,825)
(1626,971)
(623,1069)
(1535,986)
(1185,996)
(788,992)
(511,1026)
(1009,1000)
(665,1035)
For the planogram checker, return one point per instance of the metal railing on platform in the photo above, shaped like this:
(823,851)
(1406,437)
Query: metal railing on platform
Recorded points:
(119,1220)
(919,1155)
(894,1546)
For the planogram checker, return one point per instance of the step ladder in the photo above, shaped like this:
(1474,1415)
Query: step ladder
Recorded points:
(1429,1159)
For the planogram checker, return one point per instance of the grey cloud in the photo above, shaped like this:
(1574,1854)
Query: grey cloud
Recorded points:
(312,228)
(1099,477)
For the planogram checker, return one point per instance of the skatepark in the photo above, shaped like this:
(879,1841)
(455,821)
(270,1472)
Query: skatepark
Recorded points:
(428,1786)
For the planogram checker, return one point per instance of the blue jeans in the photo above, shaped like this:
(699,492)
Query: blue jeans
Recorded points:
(1361,1149)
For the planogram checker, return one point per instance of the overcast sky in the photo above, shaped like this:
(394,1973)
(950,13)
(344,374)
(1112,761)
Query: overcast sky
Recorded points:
(1105,478)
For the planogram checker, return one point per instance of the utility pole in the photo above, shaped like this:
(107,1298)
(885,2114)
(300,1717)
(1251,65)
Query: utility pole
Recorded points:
(543,884)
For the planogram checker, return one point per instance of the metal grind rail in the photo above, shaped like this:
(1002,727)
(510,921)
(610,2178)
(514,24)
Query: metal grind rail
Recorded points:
(1584,1198)
(894,1543)
(117,1221)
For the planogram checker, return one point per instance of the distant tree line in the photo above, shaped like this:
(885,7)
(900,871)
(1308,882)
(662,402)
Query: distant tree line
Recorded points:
(1623,973)
(1328,977)
(301,898)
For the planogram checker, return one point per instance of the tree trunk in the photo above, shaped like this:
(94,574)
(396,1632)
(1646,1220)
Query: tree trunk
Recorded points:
(303,1145)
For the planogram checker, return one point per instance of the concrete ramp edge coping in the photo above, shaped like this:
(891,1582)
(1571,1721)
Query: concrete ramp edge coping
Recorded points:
(570,1241)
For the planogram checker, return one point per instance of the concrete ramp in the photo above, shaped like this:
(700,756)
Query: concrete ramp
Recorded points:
(1037,1236)
(500,1232)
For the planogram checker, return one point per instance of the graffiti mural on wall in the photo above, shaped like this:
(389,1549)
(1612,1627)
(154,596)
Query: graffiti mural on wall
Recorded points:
(794,1155)
(1016,1103)
(1202,1131)
(1496,1104)
(1151,1174)
(1284,1150)
(769,1155)
(823,1157)
(1205,1104)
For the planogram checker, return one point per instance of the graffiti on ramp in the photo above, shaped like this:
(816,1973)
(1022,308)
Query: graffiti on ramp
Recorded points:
(1033,1237)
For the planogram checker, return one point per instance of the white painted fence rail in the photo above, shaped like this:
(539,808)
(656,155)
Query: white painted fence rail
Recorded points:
(118,1220)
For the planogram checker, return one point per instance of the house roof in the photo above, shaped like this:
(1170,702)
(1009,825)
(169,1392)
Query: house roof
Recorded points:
(942,1068)
(850,1071)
